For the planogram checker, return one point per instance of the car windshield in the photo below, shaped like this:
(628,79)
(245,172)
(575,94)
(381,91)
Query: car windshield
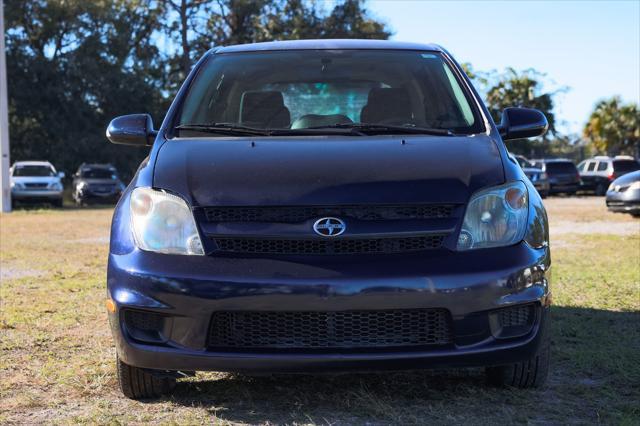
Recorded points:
(98,174)
(561,167)
(307,89)
(33,171)
(525,164)
(625,166)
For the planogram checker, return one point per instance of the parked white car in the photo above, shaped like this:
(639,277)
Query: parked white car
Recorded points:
(36,181)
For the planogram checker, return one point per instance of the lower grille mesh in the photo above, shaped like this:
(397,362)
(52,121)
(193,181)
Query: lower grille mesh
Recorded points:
(318,330)
(337,246)
(516,316)
(146,321)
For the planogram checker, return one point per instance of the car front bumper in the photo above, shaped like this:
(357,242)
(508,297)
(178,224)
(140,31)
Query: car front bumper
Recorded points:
(98,196)
(556,188)
(187,290)
(624,202)
(45,195)
(542,186)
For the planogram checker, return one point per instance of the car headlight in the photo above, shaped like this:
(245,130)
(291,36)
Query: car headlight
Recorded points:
(163,223)
(543,176)
(611,187)
(17,185)
(495,217)
(55,186)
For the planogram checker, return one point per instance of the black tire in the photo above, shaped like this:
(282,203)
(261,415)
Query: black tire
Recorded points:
(137,383)
(528,374)
(57,203)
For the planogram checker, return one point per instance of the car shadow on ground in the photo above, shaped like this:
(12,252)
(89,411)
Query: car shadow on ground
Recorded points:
(595,361)
(324,398)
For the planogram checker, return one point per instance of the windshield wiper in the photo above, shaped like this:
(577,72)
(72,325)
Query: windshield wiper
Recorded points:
(355,129)
(228,128)
(371,128)
(236,129)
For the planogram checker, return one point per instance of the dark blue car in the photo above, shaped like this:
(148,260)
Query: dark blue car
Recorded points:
(333,205)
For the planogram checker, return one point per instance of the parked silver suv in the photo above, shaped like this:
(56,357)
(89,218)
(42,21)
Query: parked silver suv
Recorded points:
(36,181)
(597,173)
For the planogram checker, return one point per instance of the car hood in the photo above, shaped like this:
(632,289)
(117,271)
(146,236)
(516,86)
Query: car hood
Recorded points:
(628,178)
(35,179)
(328,170)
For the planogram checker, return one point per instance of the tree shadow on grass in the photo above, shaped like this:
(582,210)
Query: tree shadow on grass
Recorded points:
(595,361)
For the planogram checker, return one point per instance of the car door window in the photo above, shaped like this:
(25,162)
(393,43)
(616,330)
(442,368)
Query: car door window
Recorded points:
(602,166)
(591,166)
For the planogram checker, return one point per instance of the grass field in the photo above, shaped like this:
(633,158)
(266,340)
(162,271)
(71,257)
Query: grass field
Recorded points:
(57,358)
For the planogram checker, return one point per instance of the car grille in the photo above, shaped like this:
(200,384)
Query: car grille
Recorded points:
(102,188)
(327,247)
(318,330)
(143,320)
(36,185)
(301,214)
(516,316)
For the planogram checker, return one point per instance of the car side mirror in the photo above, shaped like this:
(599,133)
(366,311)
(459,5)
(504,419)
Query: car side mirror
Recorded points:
(132,129)
(61,175)
(521,123)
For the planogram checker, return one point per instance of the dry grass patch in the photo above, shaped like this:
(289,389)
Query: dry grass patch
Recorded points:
(57,359)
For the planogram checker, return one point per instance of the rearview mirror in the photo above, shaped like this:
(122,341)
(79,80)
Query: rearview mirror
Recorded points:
(133,129)
(61,175)
(521,123)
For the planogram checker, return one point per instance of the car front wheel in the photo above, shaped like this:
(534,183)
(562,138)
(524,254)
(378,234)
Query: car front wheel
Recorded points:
(138,383)
(531,373)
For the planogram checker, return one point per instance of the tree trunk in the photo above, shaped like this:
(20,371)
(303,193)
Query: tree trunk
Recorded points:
(186,56)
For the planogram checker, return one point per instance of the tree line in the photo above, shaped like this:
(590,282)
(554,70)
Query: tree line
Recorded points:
(73,65)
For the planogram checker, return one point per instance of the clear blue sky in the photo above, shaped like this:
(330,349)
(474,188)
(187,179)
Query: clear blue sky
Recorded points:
(592,47)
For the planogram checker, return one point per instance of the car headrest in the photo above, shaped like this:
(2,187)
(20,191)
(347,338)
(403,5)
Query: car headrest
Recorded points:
(318,120)
(264,110)
(387,105)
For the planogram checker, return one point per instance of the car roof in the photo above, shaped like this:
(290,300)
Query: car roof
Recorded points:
(33,163)
(553,160)
(96,166)
(327,44)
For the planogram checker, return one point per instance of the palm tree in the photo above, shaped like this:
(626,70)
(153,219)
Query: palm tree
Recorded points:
(614,128)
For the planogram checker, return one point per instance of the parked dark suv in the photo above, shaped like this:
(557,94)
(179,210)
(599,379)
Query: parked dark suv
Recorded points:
(538,178)
(96,183)
(328,206)
(598,172)
(562,174)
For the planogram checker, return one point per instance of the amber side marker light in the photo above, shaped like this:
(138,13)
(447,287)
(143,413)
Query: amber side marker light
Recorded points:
(111,306)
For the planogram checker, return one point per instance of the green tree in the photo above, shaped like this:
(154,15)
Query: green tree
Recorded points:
(197,25)
(520,89)
(72,66)
(614,127)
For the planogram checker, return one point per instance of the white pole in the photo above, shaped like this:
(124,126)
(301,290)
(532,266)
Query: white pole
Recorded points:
(5,201)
